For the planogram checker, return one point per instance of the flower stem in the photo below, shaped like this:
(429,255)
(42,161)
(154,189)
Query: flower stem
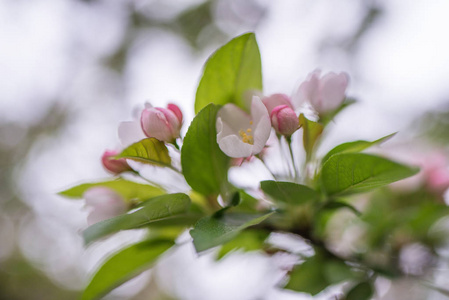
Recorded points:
(289,143)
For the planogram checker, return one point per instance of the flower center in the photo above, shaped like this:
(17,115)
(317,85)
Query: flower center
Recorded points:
(247,136)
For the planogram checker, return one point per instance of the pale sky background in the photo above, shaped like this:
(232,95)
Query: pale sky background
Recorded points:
(49,53)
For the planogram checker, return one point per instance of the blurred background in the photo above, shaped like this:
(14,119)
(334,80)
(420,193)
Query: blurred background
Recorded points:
(71,70)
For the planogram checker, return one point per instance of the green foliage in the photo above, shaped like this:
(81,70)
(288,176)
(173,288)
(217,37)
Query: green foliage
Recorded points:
(347,173)
(150,151)
(204,165)
(354,147)
(219,229)
(311,133)
(392,217)
(390,220)
(362,291)
(164,209)
(289,192)
(317,273)
(335,205)
(247,240)
(124,265)
(230,72)
(129,190)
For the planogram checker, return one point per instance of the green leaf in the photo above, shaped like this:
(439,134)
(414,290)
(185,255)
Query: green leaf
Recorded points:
(311,132)
(317,273)
(230,72)
(354,147)
(124,265)
(248,240)
(362,291)
(288,192)
(129,190)
(204,165)
(150,151)
(308,277)
(247,203)
(334,205)
(347,173)
(162,209)
(213,231)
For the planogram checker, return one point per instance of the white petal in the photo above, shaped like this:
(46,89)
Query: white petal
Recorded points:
(261,134)
(235,117)
(130,132)
(258,110)
(223,130)
(261,126)
(233,146)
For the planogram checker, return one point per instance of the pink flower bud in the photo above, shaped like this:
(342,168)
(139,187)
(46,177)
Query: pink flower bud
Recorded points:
(103,203)
(284,120)
(175,109)
(275,100)
(163,124)
(115,166)
(324,94)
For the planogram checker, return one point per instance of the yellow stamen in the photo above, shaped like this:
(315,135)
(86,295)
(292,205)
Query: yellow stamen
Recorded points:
(249,130)
(246,138)
(250,122)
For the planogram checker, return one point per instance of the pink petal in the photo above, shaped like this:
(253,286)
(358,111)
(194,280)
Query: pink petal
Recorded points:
(332,88)
(176,110)
(275,100)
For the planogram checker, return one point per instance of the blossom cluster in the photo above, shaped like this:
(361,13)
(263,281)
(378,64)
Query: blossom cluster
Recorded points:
(241,135)
(163,179)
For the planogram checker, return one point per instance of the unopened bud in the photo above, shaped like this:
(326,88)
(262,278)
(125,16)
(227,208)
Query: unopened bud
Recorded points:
(163,124)
(284,120)
(115,166)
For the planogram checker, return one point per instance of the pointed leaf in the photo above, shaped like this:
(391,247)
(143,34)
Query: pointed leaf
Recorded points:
(230,72)
(288,192)
(127,189)
(354,147)
(150,151)
(348,173)
(124,265)
(204,165)
(212,231)
(311,132)
(159,209)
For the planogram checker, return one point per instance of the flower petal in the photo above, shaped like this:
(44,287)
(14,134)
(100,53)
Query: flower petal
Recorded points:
(275,100)
(332,89)
(130,132)
(262,125)
(236,118)
(308,91)
(104,203)
(233,146)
